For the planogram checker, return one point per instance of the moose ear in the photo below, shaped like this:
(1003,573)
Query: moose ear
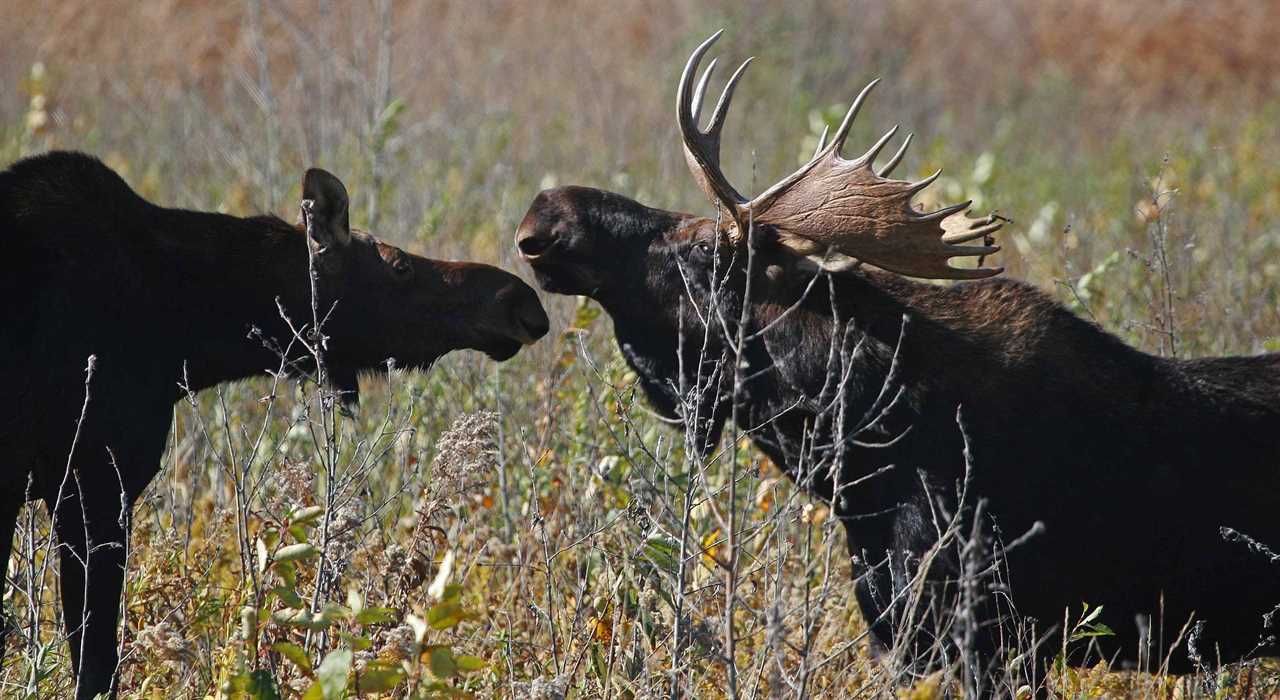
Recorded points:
(330,224)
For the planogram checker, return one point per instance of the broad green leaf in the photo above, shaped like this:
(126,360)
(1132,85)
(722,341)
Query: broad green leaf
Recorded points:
(254,685)
(376,616)
(295,552)
(470,663)
(333,611)
(447,614)
(597,662)
(441,662)
(379,676)
(306,516)
(290,617)
(332,673)
(1092,615)
(357,643)
(664,552)
(295,654)
(289,597)
(288,573)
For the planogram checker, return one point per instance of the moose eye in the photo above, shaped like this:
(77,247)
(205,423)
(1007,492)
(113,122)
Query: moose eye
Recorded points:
(702,249)
(402,268)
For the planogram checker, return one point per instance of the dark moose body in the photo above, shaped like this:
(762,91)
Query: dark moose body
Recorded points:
(1123,466)
(164,298)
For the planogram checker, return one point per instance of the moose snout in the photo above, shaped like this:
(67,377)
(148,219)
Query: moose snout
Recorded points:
(528,318)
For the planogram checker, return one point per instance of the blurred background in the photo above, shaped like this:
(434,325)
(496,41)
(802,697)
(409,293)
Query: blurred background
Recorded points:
(1134,145)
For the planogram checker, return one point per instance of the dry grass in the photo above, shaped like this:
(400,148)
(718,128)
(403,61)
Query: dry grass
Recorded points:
(1108,131)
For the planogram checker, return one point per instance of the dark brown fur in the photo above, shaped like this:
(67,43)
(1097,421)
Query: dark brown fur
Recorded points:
(156,295)
(1132,463)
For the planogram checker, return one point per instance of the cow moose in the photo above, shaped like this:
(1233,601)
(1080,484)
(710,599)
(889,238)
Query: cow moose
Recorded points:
(1114,472)
(169,300)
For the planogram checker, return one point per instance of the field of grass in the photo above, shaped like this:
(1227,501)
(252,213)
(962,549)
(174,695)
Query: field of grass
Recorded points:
(516,530)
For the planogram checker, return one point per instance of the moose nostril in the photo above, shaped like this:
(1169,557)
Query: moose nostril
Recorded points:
(531,246)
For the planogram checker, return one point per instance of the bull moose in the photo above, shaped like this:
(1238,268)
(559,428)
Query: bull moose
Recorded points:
(166,301)
(1116,472)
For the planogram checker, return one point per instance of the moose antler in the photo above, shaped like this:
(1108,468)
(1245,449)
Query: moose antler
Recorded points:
(831,204)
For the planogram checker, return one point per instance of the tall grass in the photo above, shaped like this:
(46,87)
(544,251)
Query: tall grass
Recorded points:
(559,538)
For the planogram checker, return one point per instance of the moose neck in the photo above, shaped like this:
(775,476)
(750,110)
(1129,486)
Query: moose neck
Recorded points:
(236,275)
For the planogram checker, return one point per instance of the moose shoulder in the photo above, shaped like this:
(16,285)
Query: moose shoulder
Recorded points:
(1124,467)
(166,297)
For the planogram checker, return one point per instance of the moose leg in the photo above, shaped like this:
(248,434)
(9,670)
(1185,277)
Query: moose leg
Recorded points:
(112,466)
(92,545)
(10,504)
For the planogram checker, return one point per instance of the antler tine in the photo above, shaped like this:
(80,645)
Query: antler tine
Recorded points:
(726,96)
(874,151)
(921,184)
(702,147)
(977,228)
(837,141)
(695,110)
(822,142)
(897,158)
(686,104)
(969,273)
(944,212)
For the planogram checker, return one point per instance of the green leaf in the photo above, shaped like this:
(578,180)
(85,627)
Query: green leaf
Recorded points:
(256,685)
(289,597)
(290,617)
(444,615)
(357,643)
(333,612)
(664,552)
(295,552)
(379,676)
(585,313)
(332,674)
(449,611)
(441,662)
(469,663)
(597,662)
(295,654)
(306,516)
(376,616)
(288,573)
(1092,615)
